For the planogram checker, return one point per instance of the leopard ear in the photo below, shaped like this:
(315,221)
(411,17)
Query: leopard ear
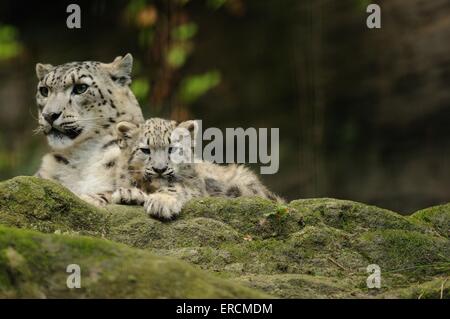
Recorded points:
(120,69)
(42,70)
(126,130)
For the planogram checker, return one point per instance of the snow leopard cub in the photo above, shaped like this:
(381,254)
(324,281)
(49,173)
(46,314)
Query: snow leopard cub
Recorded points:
(162,182)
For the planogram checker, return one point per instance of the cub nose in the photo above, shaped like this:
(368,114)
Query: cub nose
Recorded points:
(51,117)
(160,170)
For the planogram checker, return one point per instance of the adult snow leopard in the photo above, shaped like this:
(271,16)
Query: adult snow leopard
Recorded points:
(79,104)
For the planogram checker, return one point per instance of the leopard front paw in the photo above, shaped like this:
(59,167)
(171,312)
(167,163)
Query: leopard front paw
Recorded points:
(99,200)
(162,206)
(128,196)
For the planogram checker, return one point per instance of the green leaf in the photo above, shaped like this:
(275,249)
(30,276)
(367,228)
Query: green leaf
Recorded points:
(140,88)
(135,6)
(9,45)
(215,4)
(177,56)
(185,31)
(195,86)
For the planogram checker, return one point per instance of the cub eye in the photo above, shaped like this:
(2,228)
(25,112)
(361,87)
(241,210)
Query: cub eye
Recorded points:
(145,150)
(173,149)
(44,91)
(79,88)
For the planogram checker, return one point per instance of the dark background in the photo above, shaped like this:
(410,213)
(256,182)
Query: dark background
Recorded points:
(363,114)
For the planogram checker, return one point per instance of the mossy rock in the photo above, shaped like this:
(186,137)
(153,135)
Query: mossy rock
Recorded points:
(312,248)
(437,217)
(353,217)
(34,203)
(33,265)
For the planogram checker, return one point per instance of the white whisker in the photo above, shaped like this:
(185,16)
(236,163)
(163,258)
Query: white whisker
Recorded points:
(38,130)
(88,119)
(32,115)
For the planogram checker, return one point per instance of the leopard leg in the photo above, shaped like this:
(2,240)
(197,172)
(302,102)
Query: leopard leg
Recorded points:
(128,196)
(167,202)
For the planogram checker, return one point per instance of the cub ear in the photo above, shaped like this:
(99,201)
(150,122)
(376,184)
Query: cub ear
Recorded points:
(42,70)
(120,69)
(126,130)
(191,126)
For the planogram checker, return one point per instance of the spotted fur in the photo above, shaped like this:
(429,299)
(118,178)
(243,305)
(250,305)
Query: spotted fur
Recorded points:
(164,186)
(79,105)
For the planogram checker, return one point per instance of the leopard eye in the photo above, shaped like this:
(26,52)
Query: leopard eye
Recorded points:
(44,91)
(79,88)
(145,150)
(171,149)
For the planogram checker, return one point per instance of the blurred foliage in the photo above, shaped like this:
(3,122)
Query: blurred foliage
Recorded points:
(4,162)
(146,37)
(10,47)
(363,4)
(195,86)
(140,88)
(167,32)
(184,31)
(215,4)
(177,56)
(22,159)
(134,7)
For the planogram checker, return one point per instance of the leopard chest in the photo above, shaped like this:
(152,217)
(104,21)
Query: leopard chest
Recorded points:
(87,171)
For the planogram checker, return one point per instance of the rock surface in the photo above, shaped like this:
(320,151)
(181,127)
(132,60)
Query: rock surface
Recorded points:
(245,247)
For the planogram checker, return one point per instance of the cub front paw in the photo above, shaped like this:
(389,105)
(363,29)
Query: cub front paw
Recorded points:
(162,206)
(129,196)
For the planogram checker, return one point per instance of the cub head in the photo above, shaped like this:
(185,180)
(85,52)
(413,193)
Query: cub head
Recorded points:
(80,100)
(159,149)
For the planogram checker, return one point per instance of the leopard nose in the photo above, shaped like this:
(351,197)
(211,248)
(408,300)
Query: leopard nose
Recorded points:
(51,117)
(160,170)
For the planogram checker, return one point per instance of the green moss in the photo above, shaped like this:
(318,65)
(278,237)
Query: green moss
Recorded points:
(34,265)
(438,288)
(249,215)
(351,216)
(134,227)
(410,253)
(303,286)
(42,205)
(315,248)
(323,251)
(437,217)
